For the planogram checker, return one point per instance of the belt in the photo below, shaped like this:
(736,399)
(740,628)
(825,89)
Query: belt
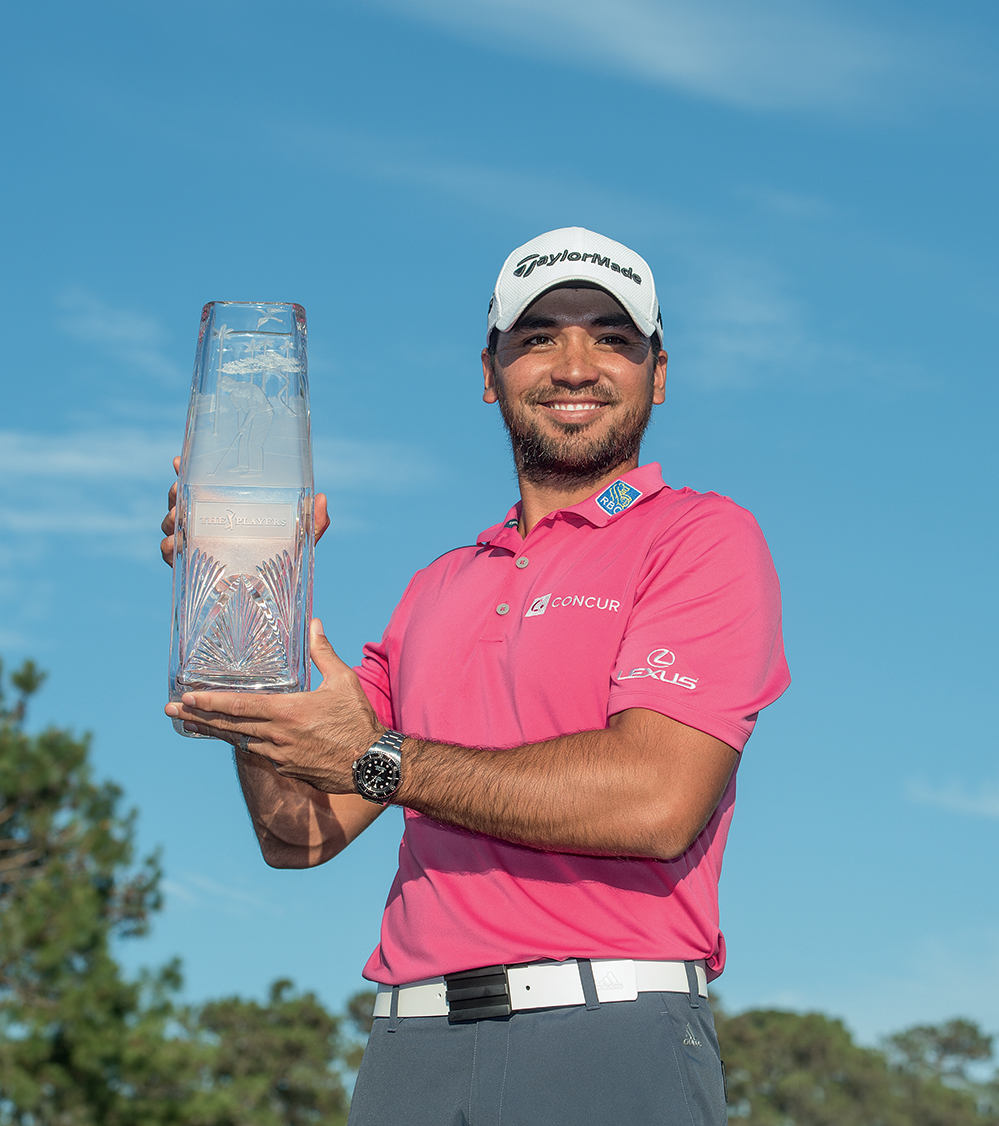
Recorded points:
(500,990)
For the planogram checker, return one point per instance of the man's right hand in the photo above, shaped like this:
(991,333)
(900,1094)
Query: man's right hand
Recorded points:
(320,518)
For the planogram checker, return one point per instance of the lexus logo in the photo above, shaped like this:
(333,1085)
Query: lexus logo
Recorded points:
(661,658)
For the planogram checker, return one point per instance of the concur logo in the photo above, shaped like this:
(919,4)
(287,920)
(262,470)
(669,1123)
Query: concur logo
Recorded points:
(538,606)
(585,601)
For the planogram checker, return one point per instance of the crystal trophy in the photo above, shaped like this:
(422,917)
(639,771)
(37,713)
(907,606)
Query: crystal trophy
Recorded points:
(242,575)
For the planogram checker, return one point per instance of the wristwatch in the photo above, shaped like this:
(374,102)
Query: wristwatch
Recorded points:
(378,772)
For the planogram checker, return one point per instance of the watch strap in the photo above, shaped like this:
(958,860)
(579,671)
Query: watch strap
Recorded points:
(391,743)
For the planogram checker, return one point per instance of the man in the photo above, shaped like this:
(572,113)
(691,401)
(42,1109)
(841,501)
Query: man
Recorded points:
(560,708)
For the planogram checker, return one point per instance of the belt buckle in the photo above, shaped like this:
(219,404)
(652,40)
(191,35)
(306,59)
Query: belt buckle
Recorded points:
(478,994)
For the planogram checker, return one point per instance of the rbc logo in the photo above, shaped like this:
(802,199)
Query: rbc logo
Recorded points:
(617,497)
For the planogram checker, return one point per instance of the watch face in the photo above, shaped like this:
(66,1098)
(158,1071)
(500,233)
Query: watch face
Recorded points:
(377,775)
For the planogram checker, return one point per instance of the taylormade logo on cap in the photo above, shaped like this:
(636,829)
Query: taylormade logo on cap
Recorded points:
(526,265)
(574,254)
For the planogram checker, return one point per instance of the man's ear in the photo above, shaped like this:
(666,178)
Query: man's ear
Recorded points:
(659,379)
(489,378)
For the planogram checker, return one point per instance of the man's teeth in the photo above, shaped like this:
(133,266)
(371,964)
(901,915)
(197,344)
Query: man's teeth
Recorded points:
(574,406)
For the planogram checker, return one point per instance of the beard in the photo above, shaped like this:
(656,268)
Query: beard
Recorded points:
(567,459)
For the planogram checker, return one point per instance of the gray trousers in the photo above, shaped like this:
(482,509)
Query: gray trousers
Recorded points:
(654,1060)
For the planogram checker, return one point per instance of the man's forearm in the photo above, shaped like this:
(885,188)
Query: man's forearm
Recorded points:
(645,786)
(297,826)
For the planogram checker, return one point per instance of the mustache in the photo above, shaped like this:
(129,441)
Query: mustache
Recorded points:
(544,395)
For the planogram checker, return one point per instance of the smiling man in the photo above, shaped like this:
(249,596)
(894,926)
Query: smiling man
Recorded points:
(560,708)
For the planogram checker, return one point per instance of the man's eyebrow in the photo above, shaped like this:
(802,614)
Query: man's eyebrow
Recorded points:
(533,322)
(613,320)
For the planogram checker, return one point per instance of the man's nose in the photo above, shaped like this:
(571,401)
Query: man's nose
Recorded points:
(575,365)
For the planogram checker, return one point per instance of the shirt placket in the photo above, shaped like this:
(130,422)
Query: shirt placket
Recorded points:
(511,591)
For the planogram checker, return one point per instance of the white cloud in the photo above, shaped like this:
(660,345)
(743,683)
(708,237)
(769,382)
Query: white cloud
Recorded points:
(734,323)
(135,339)
(925,978)
(196,891)
(730,320)
(173,889)
(11,641)
(524,193)
(785,54)
(60,520)
(790,205)
(109,486)
(979,801)
(132,455)
(343,465)
(97,455)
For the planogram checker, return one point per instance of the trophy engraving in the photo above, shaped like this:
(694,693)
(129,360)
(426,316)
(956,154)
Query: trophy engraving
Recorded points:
(243,559)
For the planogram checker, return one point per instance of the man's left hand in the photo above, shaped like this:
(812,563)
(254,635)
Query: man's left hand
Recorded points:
(313,737)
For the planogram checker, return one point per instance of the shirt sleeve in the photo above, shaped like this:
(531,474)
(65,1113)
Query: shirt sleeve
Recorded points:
(373,673)
(703,644)
(375,669)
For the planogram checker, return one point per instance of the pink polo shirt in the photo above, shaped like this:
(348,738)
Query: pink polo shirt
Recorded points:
(641,596)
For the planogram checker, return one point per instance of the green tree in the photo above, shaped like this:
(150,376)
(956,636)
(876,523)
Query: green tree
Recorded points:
(71,1028)
(269,1065)
(949,1055)
(79,1044)
(360,1013)
(944,1051)
(790,1069)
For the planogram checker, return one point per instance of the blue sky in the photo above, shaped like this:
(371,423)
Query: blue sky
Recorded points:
(814,186)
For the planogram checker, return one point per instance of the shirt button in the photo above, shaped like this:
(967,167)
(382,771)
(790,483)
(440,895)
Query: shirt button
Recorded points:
(503,608)
(522,562)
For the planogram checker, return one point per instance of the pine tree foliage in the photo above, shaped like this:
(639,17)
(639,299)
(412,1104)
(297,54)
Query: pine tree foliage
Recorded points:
(79,1044)
(791,1069)
(69,1023)
(946,1052)
(272,1064)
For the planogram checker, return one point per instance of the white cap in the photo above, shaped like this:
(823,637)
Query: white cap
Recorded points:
(574,254)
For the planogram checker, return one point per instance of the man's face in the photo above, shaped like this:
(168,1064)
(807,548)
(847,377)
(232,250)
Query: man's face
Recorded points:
(576,382)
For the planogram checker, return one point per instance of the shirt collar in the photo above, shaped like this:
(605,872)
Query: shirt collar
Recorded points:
(600,509)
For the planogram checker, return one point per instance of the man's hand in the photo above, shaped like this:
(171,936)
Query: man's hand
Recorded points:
(312,737)
(320,519)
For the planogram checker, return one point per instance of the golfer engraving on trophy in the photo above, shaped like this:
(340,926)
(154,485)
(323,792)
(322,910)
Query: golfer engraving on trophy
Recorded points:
(242,593)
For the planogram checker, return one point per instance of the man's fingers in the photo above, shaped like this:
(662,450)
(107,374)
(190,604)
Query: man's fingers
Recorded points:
(244,740)
(169,525)
(226,711)
(168,543)
(321,516)
(218,725)
(233,705)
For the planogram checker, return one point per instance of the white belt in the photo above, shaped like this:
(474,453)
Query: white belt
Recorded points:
(549,985)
